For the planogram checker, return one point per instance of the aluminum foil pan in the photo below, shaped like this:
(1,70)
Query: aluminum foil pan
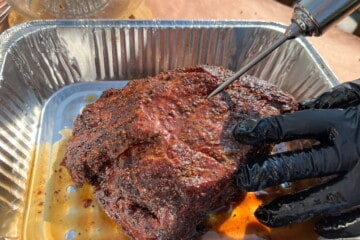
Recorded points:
(4,10)
(41,61)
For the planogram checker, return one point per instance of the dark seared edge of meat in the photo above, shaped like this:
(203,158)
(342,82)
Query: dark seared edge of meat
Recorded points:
(161,156)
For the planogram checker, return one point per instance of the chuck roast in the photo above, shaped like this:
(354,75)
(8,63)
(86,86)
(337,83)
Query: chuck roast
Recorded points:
(160,155)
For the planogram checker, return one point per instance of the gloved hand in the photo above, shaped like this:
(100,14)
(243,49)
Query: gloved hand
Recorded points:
(333,119)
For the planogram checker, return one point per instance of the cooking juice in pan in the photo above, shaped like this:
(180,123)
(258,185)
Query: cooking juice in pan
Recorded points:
(58,210)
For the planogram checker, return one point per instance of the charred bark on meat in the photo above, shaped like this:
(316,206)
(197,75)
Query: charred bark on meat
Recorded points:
(160,155)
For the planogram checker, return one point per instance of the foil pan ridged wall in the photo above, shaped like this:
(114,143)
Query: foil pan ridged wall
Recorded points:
(39,58)
(4,11)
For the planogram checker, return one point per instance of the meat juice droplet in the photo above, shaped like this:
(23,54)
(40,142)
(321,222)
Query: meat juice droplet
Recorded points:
(70,235)
(71,189)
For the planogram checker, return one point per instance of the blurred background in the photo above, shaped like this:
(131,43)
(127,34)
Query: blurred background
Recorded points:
(350,24)
(343,59)
(10,17)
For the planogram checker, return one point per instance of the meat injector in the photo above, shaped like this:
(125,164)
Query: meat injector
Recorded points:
(310,18)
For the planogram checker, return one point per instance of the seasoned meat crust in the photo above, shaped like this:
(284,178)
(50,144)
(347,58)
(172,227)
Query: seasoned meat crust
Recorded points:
(161,156)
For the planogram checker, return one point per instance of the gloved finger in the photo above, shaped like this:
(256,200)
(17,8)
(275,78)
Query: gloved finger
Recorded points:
(345,225)
(289,166)
(328,198)
(341,96)
(303,124)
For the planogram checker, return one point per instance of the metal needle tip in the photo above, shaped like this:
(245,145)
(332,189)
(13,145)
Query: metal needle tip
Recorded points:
(223,85)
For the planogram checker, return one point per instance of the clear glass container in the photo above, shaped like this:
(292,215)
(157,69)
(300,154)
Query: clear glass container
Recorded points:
(60,9)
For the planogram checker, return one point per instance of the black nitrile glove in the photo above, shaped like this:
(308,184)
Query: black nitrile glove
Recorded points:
(337,127)
(341,96)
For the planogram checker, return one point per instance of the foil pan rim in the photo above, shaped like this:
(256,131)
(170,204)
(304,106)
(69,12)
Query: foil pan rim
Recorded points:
(12,35)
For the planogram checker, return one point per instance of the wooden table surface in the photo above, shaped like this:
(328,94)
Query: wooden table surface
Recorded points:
(340,50)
